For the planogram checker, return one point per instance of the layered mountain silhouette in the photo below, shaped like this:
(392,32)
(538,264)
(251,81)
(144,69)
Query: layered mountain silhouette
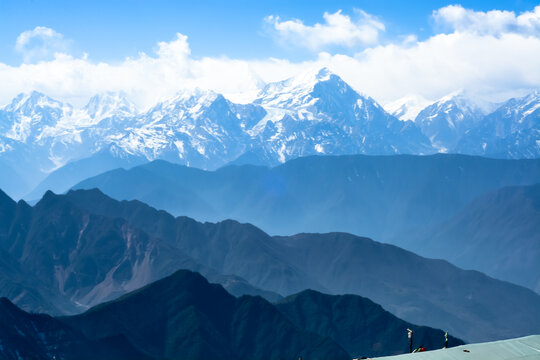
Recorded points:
(63,243)
(85,258)
(184,317)
(392,199)
(497,233)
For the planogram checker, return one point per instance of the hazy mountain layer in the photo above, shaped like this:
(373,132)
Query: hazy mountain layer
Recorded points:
(498,233)
(62,251)
(375,196)
(423,291)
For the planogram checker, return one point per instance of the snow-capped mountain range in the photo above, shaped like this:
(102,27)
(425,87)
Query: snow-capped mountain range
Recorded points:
(313,113)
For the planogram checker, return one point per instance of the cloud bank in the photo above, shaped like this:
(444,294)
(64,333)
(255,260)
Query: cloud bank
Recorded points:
(493,55)
(495,22)
(338,29)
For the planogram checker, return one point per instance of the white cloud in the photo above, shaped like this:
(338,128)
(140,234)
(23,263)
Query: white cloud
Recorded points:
(338,29)
(40,43)
(494,22)
(487,66)
(491,64)
(145,78)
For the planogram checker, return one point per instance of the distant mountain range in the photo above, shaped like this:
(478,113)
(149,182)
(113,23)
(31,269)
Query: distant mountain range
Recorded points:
(497,233)
(313,113)
(86,248)
(192,319)
(398,199)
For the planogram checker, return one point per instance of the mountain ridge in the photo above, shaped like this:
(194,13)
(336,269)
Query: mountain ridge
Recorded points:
(334,263)
(359,197)
(315,112)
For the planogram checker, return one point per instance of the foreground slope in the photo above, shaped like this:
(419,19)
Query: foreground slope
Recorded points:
(524,348)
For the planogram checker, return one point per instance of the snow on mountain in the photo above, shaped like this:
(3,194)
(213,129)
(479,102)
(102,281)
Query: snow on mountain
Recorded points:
(109,104)
(315,112)
(448,119)
(295,92)
(28,115)
(407,107)
(512,130)
(199,128)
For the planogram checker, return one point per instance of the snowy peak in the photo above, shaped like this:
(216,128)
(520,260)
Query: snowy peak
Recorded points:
(320,96)
(190,102)
(513,116)
(301,90)
(27,103)
(531,104)
(523,107)
(29,114)
(448,119)
(313,76)
(192,108)
(512,130)
(407,107)
(452,109)
(109,104)
(458,102)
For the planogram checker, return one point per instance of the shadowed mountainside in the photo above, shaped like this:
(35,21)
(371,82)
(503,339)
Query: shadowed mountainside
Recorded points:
(358,324)
(192,319)
(41,337)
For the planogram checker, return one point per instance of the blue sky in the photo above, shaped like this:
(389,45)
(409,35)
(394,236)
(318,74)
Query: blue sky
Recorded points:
(152,49)
(113,30)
